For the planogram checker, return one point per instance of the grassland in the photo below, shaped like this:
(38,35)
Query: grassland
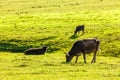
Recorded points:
(34,23)
(53,66)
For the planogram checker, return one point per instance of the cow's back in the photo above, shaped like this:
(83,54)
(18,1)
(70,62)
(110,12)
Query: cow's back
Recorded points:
(32,51)
(90,45)
(77,48)
(84,46)
(79,28)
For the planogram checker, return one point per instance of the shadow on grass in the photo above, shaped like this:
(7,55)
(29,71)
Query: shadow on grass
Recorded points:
(12,47)
(75,36)
(19,46)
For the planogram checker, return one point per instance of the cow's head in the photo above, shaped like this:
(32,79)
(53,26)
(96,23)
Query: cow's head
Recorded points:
(68,57)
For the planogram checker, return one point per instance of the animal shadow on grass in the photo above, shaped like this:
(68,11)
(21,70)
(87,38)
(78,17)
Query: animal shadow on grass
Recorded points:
(15,46)
(74,36)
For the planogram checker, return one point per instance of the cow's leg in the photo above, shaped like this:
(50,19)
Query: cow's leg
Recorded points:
(84,57)
(83,31)
(76,59)
(75,32)
(94,57)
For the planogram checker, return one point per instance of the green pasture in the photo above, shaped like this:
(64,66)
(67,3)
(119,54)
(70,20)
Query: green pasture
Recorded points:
(53,66)
(35,23)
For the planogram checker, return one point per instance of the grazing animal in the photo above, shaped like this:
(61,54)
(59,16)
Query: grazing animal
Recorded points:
(36,51)
(79,28)
(84,46)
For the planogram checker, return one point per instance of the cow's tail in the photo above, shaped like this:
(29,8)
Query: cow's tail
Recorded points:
(98,43)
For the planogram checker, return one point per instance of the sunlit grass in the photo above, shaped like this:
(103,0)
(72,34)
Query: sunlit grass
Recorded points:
(49,66)
(34,23)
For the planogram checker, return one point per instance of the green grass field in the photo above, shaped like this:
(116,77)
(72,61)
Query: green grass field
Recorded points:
(34,23)
(53,66)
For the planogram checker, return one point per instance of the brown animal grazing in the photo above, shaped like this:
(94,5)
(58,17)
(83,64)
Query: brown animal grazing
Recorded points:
(36,51)
(84,46)
(79,28)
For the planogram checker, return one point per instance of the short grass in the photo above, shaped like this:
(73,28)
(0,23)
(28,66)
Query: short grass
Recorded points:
(34,23)
(53,66)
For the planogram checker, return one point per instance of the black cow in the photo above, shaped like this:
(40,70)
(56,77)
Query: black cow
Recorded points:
(79,28)
(84,46)
(36,51)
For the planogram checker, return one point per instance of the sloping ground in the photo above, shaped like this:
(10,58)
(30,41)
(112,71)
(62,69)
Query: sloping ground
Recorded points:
(32,23)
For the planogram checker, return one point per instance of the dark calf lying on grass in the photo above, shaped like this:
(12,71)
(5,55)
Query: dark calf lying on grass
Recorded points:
(84,46)
(36,51)
(79,28)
